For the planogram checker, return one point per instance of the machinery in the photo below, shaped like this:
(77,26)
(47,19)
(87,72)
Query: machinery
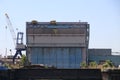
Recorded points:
(18,41)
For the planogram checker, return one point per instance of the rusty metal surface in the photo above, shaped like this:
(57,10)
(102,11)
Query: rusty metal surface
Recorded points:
(55,31)
(69,34)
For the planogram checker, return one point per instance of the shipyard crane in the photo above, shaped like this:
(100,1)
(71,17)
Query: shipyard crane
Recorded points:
(18,41)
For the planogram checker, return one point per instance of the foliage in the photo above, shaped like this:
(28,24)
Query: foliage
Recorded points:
(108,64)
(93,64)
(83,65)
(23,60)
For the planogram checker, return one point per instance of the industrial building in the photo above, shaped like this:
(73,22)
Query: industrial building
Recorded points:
(101,55)
(59,44)
(63,45)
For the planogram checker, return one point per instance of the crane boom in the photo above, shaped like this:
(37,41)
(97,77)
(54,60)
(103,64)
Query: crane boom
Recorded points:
(11,29)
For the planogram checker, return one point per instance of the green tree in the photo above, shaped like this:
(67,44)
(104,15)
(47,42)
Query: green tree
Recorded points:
(23,60)
(108,64)
(93,64)
(83,65)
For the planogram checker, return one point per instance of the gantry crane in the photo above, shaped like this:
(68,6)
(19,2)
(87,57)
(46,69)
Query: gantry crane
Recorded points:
(18,41)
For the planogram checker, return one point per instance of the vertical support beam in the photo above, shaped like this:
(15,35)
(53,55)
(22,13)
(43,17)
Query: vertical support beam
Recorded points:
(28,54)
(87,41)
(84,55)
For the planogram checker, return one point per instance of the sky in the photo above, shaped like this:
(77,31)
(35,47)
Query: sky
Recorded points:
(102,15)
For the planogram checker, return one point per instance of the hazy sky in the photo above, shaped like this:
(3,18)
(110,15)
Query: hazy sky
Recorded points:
(102,15)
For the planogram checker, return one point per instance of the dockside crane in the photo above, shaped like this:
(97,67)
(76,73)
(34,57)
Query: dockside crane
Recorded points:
(18,41)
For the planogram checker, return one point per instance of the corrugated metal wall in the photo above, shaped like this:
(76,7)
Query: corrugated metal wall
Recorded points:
(58,57)
(114,58)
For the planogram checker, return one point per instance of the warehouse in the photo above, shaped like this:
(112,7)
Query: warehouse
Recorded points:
(59,44)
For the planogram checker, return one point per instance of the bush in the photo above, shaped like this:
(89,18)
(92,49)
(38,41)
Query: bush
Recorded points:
(83,65)
(108,64)
(93,64)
